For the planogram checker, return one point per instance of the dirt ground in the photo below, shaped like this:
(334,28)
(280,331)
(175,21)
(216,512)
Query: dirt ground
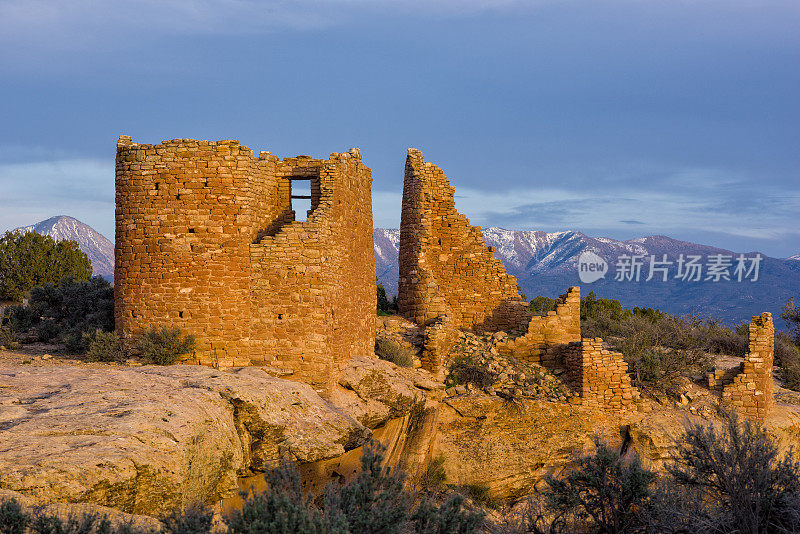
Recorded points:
(47,354)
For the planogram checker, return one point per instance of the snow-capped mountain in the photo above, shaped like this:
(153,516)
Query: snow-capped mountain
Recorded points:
(535,252)
(547,263)
(796,257)
(99,249)
(387,245)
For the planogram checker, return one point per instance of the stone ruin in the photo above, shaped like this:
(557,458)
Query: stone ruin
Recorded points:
(450,280)
(207,240)
(747,388)
(599,376)
(446,269)
(546,337)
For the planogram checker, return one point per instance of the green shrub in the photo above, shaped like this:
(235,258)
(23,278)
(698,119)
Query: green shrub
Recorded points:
(9,337)
(12,519)
(651,314)
(383,301)
(374,502)
(541,305)
(48,330)
(445,519)
(388,348)
(281,508)
(385,306)
(436,476)
(791,314)
(731,344)
(740,482)
(66,311)
(480,494)
(465,370)
(646,367)
(83,524)
(611,494)
(593,308)
(103,346)
(193,519)
(787,356)
(163,346)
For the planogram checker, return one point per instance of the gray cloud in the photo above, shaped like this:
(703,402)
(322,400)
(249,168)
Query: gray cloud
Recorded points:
(78,23)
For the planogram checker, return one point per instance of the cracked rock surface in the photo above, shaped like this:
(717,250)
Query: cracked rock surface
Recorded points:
(146,439)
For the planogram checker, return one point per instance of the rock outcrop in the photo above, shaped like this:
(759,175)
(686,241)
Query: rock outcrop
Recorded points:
(143,440)
(509,447)
(146,439)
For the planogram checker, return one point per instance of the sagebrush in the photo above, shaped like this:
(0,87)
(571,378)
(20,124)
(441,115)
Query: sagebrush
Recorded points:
(388,348)
(163,346)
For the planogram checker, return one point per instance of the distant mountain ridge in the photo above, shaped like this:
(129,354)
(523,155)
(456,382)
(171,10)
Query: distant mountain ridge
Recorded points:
(545,263)
(94,244)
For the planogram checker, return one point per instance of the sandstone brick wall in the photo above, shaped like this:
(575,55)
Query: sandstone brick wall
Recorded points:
(206,241)
(548,335)
(599,376)
(439,339)
(445,266)
(750,391)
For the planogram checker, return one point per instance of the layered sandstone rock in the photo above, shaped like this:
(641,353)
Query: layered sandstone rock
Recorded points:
(511,447)
(375,391)
(144,440)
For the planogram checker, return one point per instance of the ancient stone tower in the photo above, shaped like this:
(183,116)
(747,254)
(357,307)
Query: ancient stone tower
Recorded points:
(748,388)
(445,266)
(207,241)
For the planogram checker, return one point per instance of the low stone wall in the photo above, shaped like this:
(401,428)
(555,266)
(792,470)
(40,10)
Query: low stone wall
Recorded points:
(439,339)
(749,391)
(548,335)
(599,376)
(719,378)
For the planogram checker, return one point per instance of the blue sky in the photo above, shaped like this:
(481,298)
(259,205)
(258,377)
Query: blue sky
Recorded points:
(617,118)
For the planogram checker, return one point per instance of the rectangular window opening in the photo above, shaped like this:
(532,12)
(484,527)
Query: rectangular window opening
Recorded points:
(301,198)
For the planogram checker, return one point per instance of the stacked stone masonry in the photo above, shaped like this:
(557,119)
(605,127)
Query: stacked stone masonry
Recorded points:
(450,279)
(206,240)
(439,338)
(748,388)
(547,336)
(599,376)
(445,266)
